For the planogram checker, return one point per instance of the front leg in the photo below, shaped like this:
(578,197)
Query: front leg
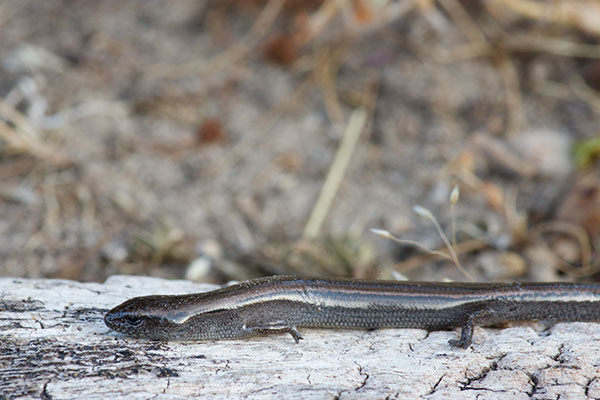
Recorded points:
(277,327)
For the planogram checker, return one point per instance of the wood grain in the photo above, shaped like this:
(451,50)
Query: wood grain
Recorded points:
(54,344)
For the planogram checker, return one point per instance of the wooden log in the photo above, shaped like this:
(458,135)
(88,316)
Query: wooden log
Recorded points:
(54,344)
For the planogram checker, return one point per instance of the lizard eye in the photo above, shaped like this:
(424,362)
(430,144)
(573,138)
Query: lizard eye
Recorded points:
(133,320)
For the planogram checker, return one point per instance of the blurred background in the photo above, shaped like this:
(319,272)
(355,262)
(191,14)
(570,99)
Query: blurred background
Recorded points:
(229,139)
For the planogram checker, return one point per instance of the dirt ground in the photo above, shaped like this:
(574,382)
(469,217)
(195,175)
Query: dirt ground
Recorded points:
(218,140)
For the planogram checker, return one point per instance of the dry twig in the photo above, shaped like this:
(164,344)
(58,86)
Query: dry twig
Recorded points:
(336,172)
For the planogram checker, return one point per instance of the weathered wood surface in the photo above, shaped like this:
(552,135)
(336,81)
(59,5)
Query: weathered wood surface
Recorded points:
(54,344)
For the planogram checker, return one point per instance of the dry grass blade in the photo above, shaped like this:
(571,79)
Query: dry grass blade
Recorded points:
(385,234)
(377,20)
(514,102)
(461,248)
(336,172)
(229,57)
(21,137)
(579,233)
(428,215)
(580,14)
(577,88)
(561,47)
(325,74)
(464,21)
(453,199)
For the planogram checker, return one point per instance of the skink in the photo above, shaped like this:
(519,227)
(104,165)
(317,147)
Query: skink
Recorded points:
(281,304)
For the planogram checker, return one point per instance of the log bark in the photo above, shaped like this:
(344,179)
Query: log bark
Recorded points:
(54,344)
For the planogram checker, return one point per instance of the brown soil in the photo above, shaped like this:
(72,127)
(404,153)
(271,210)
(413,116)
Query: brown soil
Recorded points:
(138,136)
